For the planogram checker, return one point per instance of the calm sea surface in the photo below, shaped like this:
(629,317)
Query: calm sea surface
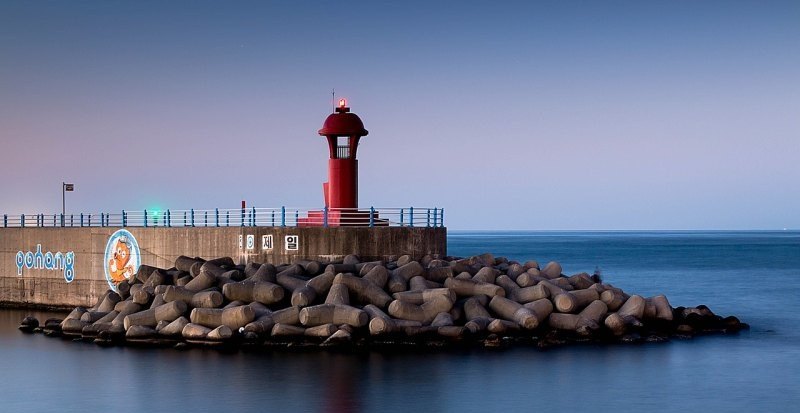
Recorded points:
(753,275)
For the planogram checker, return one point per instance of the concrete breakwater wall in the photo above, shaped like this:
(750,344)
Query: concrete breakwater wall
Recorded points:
(352,302)
(68,267)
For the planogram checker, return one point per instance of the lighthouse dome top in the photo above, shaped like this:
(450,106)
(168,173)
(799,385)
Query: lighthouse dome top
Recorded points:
(343,123)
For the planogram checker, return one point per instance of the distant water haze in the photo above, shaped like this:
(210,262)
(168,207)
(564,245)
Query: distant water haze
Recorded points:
(621,115)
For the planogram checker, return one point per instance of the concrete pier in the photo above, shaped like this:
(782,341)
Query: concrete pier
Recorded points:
(68,267)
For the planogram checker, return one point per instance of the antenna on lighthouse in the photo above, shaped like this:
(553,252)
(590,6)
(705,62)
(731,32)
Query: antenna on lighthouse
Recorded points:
(333,100)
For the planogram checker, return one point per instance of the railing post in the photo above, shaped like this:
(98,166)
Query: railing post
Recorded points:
(283,216)
(441,219)
(216,216)
(191,215)
(428,218)
(5,221)
(325,217)
(273,217)
(435,216)
(227,218)
(401,216)
(71,220)
(81,219)
(371,217)
(145,218)
(296,217)
(184,219)
(169,219)
(22,220)
(411,217)
(205,217)
(124,219)
(242,217)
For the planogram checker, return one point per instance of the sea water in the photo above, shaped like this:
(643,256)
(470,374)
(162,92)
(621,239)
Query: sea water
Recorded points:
(753,275)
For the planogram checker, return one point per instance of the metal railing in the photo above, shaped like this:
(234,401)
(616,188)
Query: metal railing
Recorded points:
(244,217)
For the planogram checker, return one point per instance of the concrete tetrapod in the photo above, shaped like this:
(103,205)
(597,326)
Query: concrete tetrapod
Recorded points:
(515,270)
(380,323)
(234,317)
(266,272)
(324,330)
(469,288)
(584,323)
(165,312)
(201,282)
(378,275)
(419,283)
(424,313)
(338,294)
(220,333)
(574,301)
(614,298)
(590,317)
(175,327)
(530,278)
(195,332)
(541,309)
(409,271)
(629,314)
(419,297)
(333,314)
(499,326)
(365,291)
(509,286)
(439,273)
(140,332)
(580,281)
(551,270)
(514,311)
(321,283)
(487,275)
(184,263)
(286,330)
(263,292)
(663,308)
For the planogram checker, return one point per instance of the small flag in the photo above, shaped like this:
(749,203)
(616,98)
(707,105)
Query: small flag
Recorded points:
(69,187)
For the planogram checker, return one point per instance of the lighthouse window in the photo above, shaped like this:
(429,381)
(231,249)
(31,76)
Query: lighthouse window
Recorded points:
(343,147)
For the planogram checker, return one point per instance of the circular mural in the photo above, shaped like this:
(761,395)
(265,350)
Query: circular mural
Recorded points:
(122,258)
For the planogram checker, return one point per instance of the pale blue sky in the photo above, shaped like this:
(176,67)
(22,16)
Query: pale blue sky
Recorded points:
(548,115)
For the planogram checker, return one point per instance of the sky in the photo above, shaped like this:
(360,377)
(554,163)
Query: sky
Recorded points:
(562,115)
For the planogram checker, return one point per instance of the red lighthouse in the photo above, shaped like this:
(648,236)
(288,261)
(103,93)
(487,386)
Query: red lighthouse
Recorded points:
(343,130)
